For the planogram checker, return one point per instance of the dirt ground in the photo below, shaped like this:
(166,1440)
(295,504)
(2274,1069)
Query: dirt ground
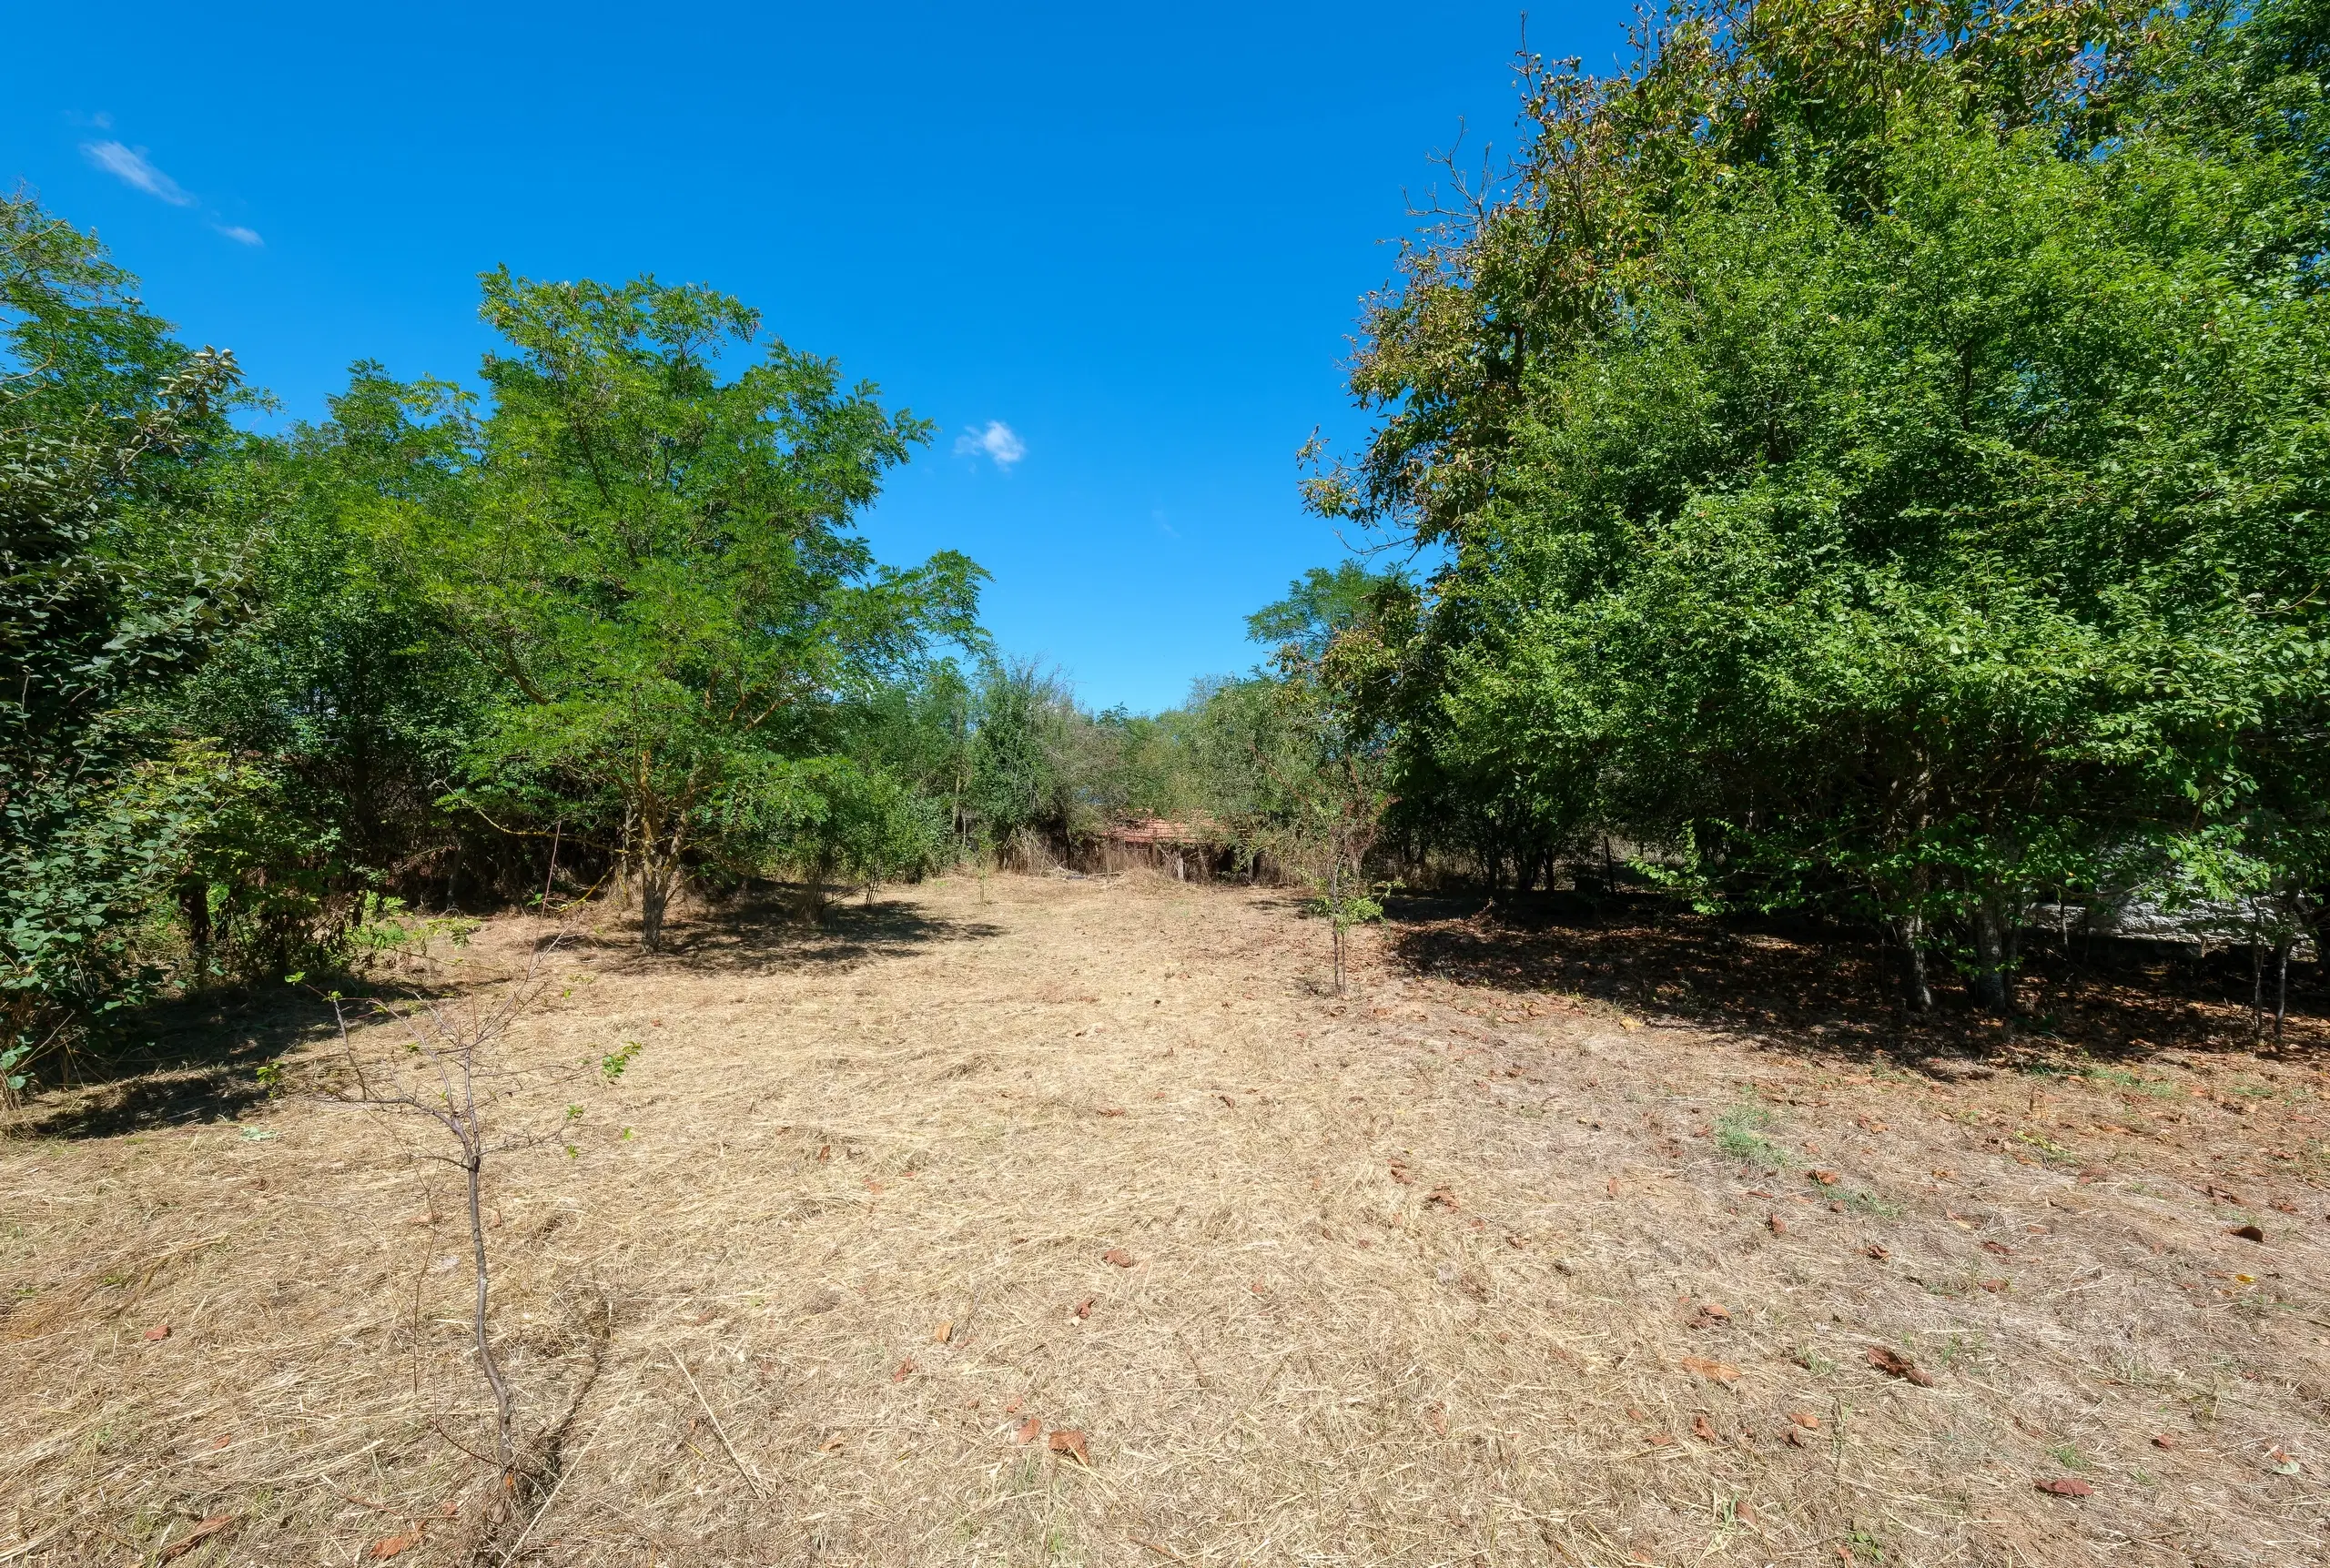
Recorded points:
(1072,1221)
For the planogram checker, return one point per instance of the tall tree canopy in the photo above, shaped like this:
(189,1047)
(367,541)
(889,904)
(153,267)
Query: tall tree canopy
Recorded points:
(1879,456)
(660,565)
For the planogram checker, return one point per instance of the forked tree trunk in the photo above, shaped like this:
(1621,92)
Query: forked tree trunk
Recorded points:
(659,880)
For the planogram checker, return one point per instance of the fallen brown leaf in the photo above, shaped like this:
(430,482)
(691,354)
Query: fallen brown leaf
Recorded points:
(905,1370)
(1611,1186)
(1825,1177)
(1029,1431)
(1118,1255)
(1111,1110)
(1709,1314)
(1703,1430)
(1806,1419)
(393,1545)
(1994,1286)
(1071,1441)
(1399,1174)
(1660,1439)
(1895,1365)
(2164,1439)
(1443,1197)
(1714,1371)
(1775,1224)
(1878,1252)
(158,1331)
(1435,1416)
(1084,1307)
(2064,1486)
(834,1444)
(197,1536)
(942,1332)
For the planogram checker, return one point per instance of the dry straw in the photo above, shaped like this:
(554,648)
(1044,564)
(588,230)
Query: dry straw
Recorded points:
(1429,1275)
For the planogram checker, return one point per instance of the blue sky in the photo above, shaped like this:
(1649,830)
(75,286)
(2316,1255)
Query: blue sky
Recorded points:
(1116,253)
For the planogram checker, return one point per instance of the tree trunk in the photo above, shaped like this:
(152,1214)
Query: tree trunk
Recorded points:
(2256,987)
(819,870)
(193,904)
(1335,914)
(659,876)
(1989,960)
(491,1368)
(2280,987)
(1919,991)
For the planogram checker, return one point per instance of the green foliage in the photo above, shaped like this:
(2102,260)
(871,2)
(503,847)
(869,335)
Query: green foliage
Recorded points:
(104,421)
(1878,460)
(657,565)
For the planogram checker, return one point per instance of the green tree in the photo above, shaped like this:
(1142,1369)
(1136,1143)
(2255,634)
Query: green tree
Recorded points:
(105,424)
(659,565)
(1879,455)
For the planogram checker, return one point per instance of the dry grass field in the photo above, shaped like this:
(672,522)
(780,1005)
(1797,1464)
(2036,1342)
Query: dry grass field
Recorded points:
(1072,1222)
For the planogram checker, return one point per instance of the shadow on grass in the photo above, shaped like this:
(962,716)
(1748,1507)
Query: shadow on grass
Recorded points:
(1813,985)
(769,933)
(197,1059)
(191,1060)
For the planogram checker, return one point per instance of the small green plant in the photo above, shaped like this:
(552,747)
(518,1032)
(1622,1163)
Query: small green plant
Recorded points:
(387,927)
(1870,1204)
(1740,1133)
(2053,1153)
(2069,1457)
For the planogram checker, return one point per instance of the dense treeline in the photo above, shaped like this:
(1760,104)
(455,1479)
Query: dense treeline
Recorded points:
(1865,458)
(1878,457)
(605,629)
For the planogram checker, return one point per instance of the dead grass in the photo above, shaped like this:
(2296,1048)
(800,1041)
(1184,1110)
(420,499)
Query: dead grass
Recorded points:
(1413,1279)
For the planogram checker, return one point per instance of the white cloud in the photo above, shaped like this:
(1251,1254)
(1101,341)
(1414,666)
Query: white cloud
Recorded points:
(130,166)
(238,234)
(996,440)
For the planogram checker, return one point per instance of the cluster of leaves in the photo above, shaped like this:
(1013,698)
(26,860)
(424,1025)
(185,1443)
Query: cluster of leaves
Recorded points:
(270,695)
(1876,455)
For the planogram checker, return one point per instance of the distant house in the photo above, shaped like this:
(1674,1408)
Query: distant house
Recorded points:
(1190,850)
